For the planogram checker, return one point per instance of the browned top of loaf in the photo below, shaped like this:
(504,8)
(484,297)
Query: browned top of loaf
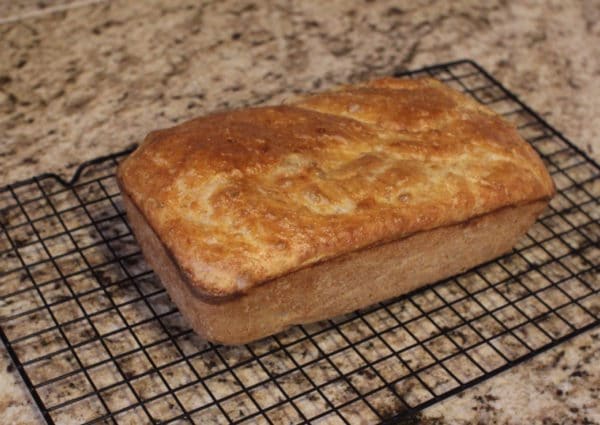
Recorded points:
(245,196)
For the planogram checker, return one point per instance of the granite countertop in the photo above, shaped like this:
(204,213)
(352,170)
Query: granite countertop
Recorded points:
(80,79)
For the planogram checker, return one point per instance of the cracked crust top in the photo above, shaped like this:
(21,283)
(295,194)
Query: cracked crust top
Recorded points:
(245,196)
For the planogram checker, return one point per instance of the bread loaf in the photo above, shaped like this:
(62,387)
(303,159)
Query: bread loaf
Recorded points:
(261,218)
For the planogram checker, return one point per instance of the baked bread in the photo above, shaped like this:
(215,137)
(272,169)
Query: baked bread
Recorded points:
(261,218)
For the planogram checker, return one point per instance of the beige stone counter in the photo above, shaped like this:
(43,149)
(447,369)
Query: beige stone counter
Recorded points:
(80,79)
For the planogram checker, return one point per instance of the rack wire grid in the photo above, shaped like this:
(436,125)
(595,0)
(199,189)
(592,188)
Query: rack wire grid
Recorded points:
(97,340)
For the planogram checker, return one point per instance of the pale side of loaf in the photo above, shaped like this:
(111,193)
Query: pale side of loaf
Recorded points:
(346,283)
(261,218)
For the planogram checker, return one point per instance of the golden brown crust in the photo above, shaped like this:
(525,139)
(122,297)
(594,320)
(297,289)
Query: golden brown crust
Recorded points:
(242,197)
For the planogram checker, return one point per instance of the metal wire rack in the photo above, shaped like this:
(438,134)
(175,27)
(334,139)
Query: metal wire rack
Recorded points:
(97,340)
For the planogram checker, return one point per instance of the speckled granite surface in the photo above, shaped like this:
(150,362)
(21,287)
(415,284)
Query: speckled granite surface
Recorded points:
(90,80)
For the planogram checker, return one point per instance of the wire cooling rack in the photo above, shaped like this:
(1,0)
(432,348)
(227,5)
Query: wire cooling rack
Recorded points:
(97,340)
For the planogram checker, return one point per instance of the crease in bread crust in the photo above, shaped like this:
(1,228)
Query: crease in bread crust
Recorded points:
(243,197)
